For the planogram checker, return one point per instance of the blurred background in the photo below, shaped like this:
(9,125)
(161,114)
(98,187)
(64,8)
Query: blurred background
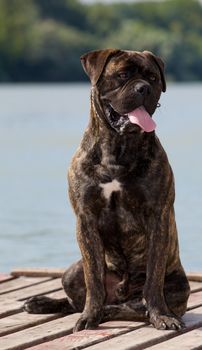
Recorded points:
(44,108)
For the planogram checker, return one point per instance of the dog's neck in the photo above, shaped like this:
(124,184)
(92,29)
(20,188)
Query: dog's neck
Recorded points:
(124,149)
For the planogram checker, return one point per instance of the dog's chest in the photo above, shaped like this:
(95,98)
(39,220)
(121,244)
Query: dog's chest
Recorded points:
(122,218)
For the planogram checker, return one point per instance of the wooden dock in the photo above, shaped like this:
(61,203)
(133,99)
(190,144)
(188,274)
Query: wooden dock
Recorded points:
(19,330)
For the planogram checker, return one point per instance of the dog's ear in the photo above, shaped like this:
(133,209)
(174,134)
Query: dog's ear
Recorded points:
(94,62)
(160,65)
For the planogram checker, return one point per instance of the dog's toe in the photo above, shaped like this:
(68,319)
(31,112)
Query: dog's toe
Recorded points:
(167,322)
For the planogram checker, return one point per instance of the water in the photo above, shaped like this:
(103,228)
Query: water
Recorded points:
(41,126)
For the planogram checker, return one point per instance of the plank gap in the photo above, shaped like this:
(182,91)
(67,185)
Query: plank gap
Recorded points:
(11,312)
(194,307)
(6,277)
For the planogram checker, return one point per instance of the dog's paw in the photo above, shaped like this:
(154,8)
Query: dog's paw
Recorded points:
(166,322)
(37,305)
(88,321)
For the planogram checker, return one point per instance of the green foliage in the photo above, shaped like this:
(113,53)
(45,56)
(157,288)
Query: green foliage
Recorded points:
(55,50)
(42,40)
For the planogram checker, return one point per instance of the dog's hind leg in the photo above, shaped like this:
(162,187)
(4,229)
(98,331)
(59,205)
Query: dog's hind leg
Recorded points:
(74,287)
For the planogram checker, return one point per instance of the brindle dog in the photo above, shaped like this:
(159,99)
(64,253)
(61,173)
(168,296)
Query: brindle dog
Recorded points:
(122,190)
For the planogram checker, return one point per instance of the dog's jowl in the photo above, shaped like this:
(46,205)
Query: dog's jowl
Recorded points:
(121,187)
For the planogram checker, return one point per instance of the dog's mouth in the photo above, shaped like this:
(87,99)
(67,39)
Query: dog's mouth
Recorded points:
(139,116)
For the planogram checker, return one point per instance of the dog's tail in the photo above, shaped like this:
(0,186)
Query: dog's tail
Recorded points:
(45,305)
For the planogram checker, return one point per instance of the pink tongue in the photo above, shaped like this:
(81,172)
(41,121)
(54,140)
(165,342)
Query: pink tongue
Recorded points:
(140,117)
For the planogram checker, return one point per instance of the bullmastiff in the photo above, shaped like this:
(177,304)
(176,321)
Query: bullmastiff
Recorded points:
(121,187)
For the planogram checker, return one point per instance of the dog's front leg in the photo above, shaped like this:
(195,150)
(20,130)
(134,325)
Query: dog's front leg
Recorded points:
(93,263)
(158,246)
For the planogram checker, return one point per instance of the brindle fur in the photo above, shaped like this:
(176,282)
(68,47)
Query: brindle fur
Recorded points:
(130,266)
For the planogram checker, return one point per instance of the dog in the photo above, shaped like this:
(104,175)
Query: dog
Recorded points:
(121,187)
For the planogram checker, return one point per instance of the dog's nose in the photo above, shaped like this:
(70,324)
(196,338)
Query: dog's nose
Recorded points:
(143,89)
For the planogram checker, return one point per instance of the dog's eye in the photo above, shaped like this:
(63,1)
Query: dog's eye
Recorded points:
(124,75)
(152,77)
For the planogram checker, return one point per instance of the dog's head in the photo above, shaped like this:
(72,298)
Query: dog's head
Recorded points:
(126,87)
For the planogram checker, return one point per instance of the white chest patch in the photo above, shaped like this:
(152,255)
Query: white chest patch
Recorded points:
(110,187)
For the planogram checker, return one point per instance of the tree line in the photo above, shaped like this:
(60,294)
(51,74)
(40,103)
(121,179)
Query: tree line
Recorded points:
(42,40)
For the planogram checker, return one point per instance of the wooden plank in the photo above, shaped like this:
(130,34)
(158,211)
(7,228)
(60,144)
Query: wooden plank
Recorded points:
(195,276)
(38,272)
(195,300)
(195,286)
(19,283)
(85,338)
(41,333)
(29,291)
(187,341)
(145,336)
(5,277)
(21,321)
